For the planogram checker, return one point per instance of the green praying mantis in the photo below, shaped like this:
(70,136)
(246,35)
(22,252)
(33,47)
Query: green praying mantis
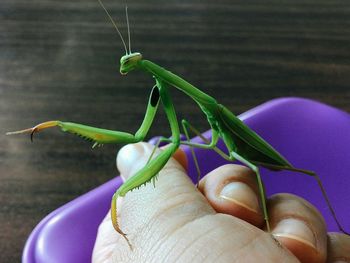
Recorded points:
(242,143)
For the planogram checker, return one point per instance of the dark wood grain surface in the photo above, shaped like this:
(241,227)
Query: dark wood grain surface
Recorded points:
(59,60)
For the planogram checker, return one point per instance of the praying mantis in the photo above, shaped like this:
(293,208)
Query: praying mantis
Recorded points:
(242,144)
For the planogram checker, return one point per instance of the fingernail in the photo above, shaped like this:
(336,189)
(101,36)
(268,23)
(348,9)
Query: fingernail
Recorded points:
(241,194)
(295,229)
(128,157)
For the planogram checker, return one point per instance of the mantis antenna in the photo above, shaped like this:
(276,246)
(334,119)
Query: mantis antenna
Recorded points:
(115,26)
(127,22)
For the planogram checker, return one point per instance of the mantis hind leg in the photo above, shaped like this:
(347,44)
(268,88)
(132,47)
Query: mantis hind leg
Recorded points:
(325,196)
(255,168)
(320,185)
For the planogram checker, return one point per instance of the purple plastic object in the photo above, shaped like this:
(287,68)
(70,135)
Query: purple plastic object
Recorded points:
(309,134)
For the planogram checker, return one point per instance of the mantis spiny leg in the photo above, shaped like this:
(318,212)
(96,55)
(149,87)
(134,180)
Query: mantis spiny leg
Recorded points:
(115,219)
(103,136)
(142,177)
(152,168)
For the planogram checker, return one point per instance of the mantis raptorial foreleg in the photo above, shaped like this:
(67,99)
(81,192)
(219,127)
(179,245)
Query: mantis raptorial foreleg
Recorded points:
(140,178)
(103,136)
(151,169)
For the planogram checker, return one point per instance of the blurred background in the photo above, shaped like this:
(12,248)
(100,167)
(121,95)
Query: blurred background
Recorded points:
(60,60)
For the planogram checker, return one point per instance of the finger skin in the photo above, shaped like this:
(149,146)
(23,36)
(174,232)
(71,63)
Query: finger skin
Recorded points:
(181,158)
(242,197)
(338,248)
(296,223)
(299,227)
(173,222)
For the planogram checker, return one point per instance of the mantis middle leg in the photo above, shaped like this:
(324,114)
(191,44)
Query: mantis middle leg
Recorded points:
(186,126)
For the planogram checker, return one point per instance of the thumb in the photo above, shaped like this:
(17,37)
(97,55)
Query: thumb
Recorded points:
(152,212)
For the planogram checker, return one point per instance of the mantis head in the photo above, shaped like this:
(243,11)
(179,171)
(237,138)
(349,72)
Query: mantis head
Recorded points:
(129,62)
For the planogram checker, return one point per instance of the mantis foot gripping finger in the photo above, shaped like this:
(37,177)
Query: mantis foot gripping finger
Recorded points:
(115,220)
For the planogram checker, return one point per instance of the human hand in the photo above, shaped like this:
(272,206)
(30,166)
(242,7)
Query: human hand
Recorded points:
(174,222)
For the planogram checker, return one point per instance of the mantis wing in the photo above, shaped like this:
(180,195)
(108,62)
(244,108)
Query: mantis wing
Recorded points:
(249,144)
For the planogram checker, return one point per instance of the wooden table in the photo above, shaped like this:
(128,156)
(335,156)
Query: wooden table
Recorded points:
(59,60)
